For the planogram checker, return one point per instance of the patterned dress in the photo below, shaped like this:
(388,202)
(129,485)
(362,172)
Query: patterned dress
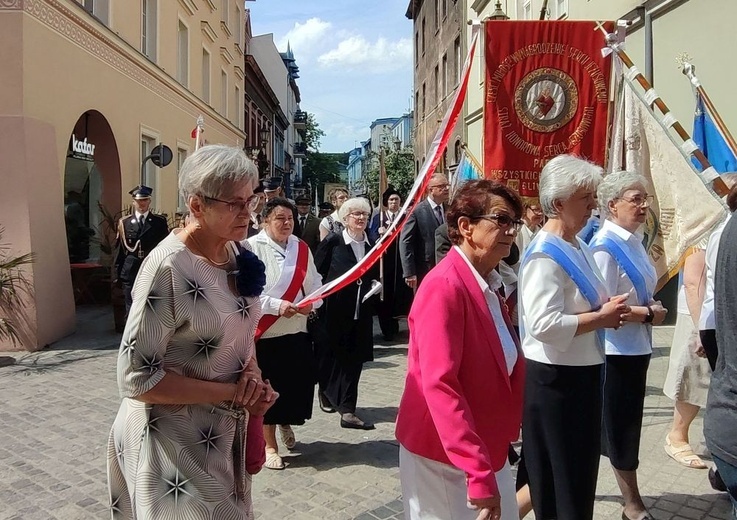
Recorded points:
(181,461)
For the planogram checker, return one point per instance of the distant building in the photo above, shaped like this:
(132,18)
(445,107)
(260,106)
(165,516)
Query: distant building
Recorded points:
(439,49)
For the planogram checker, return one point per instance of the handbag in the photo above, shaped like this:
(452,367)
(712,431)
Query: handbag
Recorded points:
(255,445)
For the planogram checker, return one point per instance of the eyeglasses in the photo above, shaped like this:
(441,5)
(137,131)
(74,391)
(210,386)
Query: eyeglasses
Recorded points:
(536,209)
(359,214)
(441,186)
(503,221)
(639,200)
(237,206)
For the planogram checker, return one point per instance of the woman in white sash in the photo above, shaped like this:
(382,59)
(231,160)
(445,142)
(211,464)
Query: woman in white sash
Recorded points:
(563,303)
(626,268)
(284,348)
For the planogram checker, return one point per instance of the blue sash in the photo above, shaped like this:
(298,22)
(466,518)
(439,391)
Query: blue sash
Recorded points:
(612,244)
(585,285)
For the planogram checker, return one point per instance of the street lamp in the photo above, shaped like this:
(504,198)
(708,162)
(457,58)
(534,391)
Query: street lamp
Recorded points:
(264,134)
(498,13)
(397,144)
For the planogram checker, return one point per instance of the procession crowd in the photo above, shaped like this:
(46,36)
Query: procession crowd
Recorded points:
(523,316)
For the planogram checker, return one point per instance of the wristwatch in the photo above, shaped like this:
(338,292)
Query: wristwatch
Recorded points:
(650,315)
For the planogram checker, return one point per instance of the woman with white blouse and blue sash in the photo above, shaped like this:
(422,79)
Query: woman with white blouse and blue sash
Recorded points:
(626,269)
(564,307)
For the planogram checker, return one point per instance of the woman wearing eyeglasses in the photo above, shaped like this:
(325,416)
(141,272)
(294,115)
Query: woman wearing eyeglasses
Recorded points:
(564,307)
(283,345)
(187,368)
(462,402)
(626,269)
(346,320)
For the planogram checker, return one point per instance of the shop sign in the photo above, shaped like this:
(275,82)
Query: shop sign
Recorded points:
(82,149)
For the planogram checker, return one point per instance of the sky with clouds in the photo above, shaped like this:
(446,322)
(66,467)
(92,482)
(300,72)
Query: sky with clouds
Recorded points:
(355,60)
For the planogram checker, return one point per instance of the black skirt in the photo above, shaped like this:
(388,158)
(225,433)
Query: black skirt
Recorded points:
(625,382)
(288,363)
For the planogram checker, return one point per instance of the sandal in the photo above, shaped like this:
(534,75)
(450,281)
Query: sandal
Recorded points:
(683,455)
(287,436)
(273,460)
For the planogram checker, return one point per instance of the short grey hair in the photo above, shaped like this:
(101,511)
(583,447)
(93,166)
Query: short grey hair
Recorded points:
(562,176)
(354,204)
(615,185)
(213,169)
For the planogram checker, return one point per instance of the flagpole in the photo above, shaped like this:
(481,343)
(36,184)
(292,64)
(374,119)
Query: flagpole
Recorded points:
(689,70)
(652,97)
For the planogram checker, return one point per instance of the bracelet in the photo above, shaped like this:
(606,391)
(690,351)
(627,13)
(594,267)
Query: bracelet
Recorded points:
(650,315)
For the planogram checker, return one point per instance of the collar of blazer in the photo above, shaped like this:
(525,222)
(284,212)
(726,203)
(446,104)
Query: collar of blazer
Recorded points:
(481,308)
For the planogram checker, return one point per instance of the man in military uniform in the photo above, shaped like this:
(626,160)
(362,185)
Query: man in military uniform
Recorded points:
(138,234)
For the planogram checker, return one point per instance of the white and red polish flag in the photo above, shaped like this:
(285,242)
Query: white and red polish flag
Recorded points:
(197,133)
(439,143)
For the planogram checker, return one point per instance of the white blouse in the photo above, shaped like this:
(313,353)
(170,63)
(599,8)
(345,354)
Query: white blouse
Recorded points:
(549,302)
(273,256)
(632,339)
(492,301)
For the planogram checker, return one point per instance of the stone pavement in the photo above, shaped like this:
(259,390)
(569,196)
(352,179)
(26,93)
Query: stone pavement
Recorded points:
(58,406)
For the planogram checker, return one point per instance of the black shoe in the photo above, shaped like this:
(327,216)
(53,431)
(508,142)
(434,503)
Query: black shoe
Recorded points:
(646,517)
(716,480)
(349,420)
(324,403)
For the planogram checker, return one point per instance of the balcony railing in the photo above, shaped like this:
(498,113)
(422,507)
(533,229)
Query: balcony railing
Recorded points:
(300,120)
(300,150)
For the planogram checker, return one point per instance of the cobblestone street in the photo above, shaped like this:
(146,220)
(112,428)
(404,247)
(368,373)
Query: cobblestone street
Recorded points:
(59,405)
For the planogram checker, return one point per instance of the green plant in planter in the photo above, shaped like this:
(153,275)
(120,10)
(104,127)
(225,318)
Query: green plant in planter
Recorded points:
(14,284)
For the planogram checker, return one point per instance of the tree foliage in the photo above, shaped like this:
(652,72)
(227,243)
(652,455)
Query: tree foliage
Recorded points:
(320,168)
(14,287)
(400,170)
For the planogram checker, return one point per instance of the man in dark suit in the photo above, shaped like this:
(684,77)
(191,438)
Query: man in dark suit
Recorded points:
(138,235)
(417,241)
(307,223)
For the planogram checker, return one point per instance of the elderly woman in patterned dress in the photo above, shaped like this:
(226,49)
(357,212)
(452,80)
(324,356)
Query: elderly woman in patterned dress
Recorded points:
(187,368)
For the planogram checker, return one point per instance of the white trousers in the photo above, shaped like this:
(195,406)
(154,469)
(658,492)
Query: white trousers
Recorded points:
(432,490)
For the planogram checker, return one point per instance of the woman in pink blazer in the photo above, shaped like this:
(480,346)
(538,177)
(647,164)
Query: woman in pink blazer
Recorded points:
(462,402)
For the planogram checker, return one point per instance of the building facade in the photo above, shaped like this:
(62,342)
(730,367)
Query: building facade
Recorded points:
(89,87)
(439,28)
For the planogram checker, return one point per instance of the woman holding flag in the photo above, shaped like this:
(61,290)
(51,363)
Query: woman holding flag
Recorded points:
(284,347)
(626,269)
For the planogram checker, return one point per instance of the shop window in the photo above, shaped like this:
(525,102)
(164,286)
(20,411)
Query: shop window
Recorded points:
(205,75)
(183,54)
(149,25)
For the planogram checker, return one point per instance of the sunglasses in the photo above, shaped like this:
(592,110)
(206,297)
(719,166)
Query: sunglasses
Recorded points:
(503,221)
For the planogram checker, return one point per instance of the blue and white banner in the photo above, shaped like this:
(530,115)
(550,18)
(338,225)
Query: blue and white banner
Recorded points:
(712,141)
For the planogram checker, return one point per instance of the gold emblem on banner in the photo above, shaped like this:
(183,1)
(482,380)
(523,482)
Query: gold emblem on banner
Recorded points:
(546,99)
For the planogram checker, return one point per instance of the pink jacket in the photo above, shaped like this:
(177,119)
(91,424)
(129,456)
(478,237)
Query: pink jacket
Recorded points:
(459,407)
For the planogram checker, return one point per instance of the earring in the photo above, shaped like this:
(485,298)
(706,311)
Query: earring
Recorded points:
(198,225)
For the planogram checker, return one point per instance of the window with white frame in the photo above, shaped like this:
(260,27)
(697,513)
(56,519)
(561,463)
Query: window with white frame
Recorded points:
(149,26)
(238,116)
(526,11)
(224,93)
(457,59)
(205,75)
(183,54)
(444,74)
(149,171)
(561,9)
(100,9)
(181,156)
(225,12)
(237,22)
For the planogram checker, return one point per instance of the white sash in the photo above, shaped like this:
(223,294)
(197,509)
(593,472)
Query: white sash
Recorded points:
(288,269)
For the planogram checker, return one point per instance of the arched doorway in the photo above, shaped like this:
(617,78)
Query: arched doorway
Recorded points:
(92,195)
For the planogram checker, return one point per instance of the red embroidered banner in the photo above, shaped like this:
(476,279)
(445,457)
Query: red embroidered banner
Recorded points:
(547,93)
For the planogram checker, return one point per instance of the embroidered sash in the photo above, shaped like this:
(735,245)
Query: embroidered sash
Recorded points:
(290,281)
(615,246)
